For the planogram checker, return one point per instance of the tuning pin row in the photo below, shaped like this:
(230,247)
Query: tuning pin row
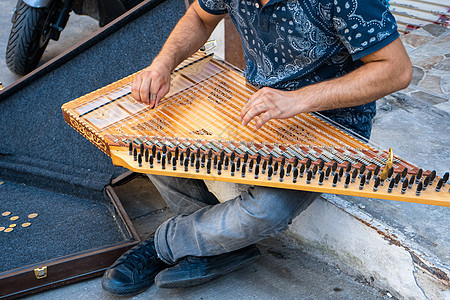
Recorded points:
(283,168)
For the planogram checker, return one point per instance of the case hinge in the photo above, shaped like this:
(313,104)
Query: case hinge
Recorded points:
(40,272)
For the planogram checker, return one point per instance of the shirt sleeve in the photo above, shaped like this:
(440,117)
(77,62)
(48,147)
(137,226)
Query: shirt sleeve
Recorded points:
(364,26)
(215,7)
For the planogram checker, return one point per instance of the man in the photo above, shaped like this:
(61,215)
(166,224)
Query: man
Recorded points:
(332,56)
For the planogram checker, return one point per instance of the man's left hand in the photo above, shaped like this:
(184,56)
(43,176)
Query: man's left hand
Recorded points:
(269,103)
(384,71)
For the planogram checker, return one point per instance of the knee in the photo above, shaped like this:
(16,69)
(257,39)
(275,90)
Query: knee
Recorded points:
(267,214)
(263,223)
(273,210)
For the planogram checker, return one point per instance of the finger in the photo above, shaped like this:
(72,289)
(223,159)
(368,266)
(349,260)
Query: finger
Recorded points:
(135,86)
(154,90)
(249,105)
(152,98)
(144,91)
(161,93)
(260,96)
(255,110)
(157,99)
(244,110)
(263,119)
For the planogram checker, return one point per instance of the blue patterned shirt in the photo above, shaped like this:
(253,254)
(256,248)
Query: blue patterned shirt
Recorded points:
(290,44)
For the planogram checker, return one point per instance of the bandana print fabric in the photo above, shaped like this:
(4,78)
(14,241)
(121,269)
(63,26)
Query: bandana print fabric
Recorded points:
(290,44)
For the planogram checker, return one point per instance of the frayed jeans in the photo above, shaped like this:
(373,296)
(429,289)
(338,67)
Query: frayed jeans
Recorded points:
(206,227)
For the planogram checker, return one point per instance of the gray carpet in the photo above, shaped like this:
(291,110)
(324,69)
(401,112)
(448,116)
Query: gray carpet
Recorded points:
(31,122)
(65,224)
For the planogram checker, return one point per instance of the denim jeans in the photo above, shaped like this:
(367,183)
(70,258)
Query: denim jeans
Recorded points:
(205,227)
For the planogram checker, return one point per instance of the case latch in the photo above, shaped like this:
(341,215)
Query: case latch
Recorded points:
(40,272)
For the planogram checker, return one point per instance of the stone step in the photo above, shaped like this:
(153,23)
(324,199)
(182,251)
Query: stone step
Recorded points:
(428,48)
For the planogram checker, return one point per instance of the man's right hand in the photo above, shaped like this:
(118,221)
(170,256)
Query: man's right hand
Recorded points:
(191,32)
(152,83)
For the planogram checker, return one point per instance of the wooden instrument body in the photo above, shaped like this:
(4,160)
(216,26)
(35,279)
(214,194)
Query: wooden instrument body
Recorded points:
(200,117)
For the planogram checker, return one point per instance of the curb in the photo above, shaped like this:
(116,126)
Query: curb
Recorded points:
(350,238)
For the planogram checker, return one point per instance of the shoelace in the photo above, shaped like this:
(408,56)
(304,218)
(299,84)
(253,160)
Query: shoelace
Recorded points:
(139,257)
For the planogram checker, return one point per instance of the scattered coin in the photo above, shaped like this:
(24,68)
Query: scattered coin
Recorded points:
(32,216)
(2,228)
(6,213)
(14,218)
(8,229)
(2,182)
(26,224)
(12,225)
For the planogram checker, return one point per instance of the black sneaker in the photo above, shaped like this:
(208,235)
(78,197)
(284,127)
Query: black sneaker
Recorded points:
(134,271)
(193,270)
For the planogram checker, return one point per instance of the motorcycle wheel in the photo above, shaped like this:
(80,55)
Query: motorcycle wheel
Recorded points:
(30,34)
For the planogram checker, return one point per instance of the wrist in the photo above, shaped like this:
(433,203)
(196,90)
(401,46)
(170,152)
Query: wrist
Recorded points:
(164,62)
(302,100)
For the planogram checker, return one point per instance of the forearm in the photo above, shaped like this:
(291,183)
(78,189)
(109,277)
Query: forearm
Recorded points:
(368,83)
(188,36)
(385,71)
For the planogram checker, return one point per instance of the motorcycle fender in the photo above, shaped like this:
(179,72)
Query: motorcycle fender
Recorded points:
(38,3)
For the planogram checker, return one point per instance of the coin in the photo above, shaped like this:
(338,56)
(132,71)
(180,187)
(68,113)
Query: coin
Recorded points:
(26,224)
(8,229)
(32,216)
(2,228)
(12,225)
(14,218)
(6,213)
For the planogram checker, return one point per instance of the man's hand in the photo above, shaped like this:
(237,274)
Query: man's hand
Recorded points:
(268,103)
(191,32)
(152,83)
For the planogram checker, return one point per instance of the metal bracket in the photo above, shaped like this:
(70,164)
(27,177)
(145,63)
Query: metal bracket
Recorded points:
(40,273)
(208,46)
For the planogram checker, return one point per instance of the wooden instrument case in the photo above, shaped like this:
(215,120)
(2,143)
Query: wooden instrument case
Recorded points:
(73,267)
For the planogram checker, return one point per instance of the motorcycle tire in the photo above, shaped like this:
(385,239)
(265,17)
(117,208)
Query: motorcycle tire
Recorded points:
(30,34)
